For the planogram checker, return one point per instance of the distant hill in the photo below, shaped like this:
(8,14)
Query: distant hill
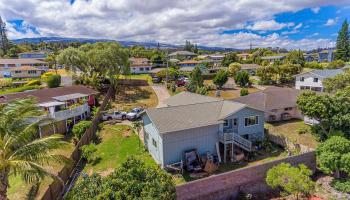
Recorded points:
(124,43)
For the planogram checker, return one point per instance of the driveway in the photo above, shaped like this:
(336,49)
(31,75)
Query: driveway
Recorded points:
(162,94)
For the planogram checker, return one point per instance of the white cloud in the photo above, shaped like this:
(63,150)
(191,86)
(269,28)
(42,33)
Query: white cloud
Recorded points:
(331,22)
(268,25)
(315,10)
(159,20)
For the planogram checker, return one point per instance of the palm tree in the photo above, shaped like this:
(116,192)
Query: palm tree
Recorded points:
(22,152)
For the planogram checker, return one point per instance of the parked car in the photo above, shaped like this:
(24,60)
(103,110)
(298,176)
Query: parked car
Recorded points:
(156,79)
(182,82)
(114,115)
(134,114)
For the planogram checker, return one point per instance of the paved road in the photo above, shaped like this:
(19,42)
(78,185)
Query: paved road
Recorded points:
(162,94)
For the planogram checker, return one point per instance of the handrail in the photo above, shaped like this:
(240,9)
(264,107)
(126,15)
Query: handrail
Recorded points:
(237,139)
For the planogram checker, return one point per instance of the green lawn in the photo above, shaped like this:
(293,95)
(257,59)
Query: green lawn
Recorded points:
(289,129)
(19,89)
(139,76)
(117,143)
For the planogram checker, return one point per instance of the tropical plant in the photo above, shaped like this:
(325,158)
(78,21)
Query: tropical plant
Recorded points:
(196,77)
(80,128)
(242,79)
(54,81)
(132,180)
(333,156)
(244,92)
(233,68)
(22,152)
(343,43)
(228,59)
(88,152)
(292,180)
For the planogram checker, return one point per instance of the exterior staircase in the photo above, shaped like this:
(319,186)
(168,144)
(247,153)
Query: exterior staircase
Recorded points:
(236,139)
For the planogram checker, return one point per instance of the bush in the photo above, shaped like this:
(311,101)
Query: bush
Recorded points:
(313,65)
(5,82)
(303,130)
(80,128)
(242,79)
(342,185)
(33,82)
(220,78)
(54,81)
(88,152)
(202,90)
(244,92)
(46,75)
(336,64)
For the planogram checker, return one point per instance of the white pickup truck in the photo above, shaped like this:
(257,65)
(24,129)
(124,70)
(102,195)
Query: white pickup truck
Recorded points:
(114,115)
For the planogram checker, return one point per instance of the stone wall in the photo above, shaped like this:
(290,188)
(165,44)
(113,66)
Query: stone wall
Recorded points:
(229,184)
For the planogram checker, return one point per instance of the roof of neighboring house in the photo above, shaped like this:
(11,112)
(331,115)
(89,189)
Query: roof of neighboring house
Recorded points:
(185,98)
(156,70)
(25,68)
(21,61)
(217,55)
(189,62)
(243,54)
(182,53)
(250,66)
(182,117)
(186,69)
(271,98)
(324,73)
(139,62)
(273,57)
(48,94)
(32,52)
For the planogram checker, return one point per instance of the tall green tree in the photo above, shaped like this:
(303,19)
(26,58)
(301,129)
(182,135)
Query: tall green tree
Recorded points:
(242,79)
(99,61)
(196,77)
(22,152)
(338,82)
(343,43)
(228,59)
(221,78)
(4,42)
(295,57)
(292,180)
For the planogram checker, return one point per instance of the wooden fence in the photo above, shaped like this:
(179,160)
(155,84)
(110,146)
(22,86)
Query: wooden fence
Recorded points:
(56,188)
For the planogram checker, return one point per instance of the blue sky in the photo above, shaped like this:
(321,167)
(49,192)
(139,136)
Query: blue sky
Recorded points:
(231,23)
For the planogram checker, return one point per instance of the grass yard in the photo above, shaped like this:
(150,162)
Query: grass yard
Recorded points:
(231,93)
(19,89)
(135,96)
(138,76)
(290,129)
(19,189)
(117,143)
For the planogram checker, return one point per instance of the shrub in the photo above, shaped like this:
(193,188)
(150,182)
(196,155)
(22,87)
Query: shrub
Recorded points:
(80,128)
(220,78)
(342,185)
(313,65)
(336,64)
(303,130)
(244,92)
(242,79)
(88,152)
(202,90)
(54,81)
(5,82)
(46,75)
(33,82)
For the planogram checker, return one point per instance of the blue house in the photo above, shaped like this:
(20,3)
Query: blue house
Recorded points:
(193,121)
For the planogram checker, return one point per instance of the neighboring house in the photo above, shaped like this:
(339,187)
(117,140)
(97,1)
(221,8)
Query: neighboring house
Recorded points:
(312,80)
(326,56)
(217,58)
(243,56)
(188,63)
(250,68)
(34,55)
(182,55)
(26,72)
(193,121)
(273,58)
(278,103)
(7,64)
(140,65)
(65,105)
(310,57)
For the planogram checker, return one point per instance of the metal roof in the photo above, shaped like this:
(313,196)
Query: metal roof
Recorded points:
(51,104)
(326,73)
(70,97)
(186,98)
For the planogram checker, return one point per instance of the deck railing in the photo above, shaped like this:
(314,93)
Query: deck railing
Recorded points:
(237,139)
(73,112)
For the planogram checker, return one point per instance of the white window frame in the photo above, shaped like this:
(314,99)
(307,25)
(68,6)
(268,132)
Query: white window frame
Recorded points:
(302,79)
(315,80)
(154,143)
(256,118)
(226,121)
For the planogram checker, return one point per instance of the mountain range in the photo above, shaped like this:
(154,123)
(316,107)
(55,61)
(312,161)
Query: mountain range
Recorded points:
(124,43)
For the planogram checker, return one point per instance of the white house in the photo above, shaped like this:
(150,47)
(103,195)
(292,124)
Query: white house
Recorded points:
(312,80)
(140,65)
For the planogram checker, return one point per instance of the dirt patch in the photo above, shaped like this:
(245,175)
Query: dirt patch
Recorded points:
(106,172)
(127,132)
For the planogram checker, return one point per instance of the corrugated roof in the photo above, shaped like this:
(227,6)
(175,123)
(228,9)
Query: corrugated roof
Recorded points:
(186,98)
(271,98)
(47,94)
(326,73)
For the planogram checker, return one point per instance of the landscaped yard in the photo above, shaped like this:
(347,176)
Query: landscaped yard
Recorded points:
(117,143)
(130,97)
(138,76)
(19,189)
(231,93)
(290,129)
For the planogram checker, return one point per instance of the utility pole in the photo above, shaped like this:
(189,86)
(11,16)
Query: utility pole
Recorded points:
(167,68)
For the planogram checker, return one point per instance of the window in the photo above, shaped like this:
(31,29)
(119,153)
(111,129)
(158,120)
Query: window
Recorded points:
(17,72)
(274,110)
(301,79)
(147,68)
(252,120)
(315,80)
(235,122)
(289,108)
(31,72)
(225,122)
(141,69)
(154,143)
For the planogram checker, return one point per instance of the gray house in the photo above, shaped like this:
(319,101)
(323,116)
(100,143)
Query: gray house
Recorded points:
(192,121)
